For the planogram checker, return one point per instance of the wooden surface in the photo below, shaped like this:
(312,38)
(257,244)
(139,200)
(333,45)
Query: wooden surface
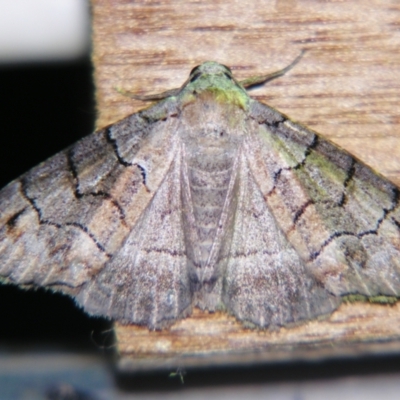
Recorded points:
(217,339)
(347,87)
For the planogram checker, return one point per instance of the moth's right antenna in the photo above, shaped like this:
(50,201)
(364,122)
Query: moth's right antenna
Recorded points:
(259,80)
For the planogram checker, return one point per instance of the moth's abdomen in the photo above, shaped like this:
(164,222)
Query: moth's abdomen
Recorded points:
(209,173)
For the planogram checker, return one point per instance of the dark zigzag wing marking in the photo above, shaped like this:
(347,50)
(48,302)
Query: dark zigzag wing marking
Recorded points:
(62,221)
(339,215)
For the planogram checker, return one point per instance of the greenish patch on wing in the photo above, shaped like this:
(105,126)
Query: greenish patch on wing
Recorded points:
(326,168)
(379,299)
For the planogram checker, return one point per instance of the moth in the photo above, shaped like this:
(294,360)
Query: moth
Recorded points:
(206,199)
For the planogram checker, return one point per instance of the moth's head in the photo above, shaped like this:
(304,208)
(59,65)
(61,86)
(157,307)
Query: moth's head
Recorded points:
(210,69)
(216,81)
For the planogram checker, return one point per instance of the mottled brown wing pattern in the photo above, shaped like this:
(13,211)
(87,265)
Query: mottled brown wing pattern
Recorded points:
(65,220)
(340,216)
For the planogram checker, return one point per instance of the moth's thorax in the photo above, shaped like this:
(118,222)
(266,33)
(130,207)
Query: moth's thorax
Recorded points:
(218,90)
(212,137)
(209,116)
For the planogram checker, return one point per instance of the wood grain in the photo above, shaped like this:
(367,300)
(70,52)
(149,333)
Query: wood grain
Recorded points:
(347,87)
(207,339)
